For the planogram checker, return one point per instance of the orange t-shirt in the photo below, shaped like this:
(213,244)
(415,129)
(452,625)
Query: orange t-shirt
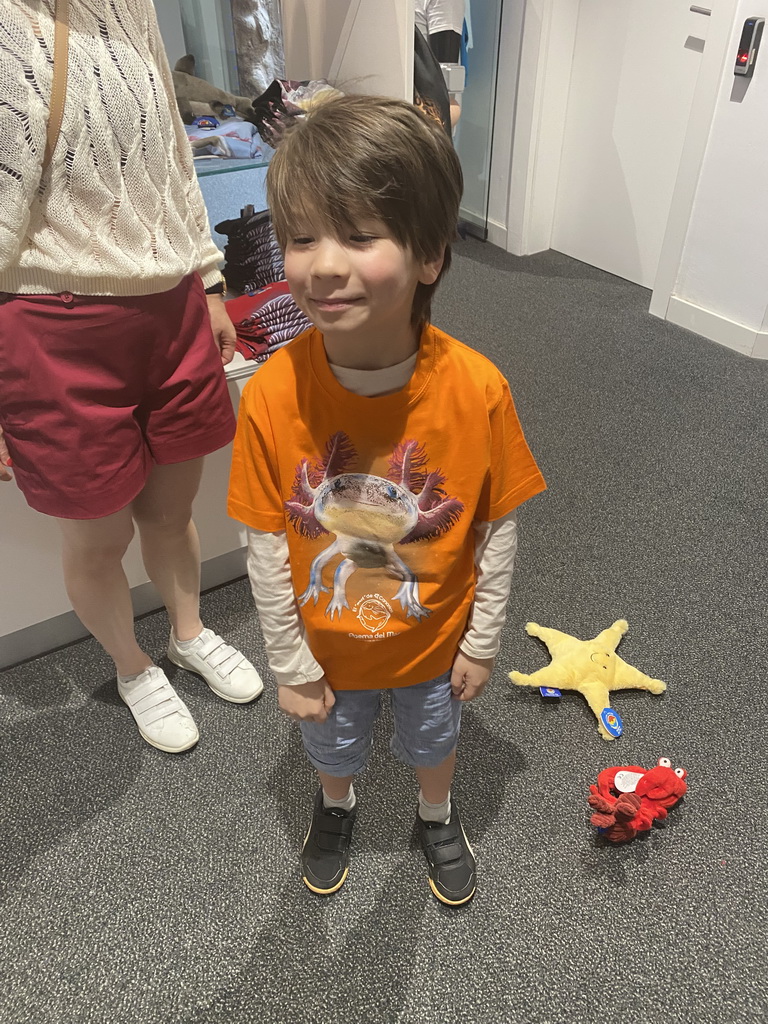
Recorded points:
(377,497)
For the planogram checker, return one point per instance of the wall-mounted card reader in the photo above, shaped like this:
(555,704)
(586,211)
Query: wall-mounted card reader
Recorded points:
(749,44)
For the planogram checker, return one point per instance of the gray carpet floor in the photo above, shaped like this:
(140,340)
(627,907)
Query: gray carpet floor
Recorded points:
(140,888)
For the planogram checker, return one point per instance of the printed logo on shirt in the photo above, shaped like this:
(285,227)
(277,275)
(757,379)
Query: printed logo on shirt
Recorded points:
(374,611)
(369,515)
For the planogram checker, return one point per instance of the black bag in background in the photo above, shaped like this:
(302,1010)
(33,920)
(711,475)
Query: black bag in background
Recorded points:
(430,92)
(252,255)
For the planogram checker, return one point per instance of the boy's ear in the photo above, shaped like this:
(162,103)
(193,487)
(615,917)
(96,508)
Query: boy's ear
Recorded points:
(430,270)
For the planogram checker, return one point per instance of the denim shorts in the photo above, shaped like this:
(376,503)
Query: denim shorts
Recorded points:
(427,722)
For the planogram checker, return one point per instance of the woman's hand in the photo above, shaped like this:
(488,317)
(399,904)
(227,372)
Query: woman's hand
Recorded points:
(222,327)
(307,702)
(5,459)
(469,676)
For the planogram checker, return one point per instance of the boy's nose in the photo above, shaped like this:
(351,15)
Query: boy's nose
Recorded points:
(329,259)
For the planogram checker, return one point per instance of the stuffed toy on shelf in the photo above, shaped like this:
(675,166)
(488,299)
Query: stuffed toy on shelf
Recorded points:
(195,97)
(592,667)
(628,800)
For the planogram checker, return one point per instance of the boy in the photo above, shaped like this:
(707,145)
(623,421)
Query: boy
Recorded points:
(377,464)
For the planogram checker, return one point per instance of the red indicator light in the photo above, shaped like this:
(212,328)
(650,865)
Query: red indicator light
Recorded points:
(743,58)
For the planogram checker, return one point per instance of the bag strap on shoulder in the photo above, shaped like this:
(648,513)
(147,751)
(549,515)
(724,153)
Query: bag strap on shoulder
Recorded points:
(59,88)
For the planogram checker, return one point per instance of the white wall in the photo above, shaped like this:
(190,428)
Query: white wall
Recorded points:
(544,59)
(504,124)
(715,267)
(722,280)
(360,45)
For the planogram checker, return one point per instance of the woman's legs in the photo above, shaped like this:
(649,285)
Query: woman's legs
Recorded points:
(171,550)
(92,553)
(169,542)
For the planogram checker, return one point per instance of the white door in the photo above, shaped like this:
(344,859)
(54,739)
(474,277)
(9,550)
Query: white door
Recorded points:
(634,72)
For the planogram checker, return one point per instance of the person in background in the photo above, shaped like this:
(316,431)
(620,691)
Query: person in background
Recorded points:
(378,464)
(113,333)
(441,22)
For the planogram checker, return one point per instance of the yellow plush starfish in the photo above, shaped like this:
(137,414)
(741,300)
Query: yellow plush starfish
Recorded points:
(590,666)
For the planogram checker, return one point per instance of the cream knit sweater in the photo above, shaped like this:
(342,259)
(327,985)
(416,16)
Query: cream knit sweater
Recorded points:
(119,211)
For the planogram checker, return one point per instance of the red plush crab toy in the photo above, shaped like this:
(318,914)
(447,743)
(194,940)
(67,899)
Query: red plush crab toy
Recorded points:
(628,800)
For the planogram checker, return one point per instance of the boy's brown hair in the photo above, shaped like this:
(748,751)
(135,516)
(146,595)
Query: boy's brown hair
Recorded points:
(358,157)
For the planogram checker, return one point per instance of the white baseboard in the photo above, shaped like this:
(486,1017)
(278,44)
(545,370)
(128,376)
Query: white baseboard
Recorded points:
(718,328)
(497,234)
(32,641)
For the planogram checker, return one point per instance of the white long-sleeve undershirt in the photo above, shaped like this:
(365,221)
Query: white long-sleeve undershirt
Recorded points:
(290,658)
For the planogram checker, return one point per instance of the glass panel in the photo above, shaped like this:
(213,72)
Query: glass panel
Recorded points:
(237,44)
(237,47)
(209,35)
(474,133)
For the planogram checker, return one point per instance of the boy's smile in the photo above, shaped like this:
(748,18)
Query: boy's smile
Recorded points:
(358,290)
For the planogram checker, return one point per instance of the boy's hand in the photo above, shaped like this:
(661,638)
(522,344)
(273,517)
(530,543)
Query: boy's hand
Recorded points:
(223,329)
(308,702)
(469,676)
(5,459)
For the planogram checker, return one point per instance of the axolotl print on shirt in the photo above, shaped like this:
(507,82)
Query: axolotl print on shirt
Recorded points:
(369,515)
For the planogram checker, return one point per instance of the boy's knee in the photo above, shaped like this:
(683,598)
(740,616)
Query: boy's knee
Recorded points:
(334,758)
(424,755)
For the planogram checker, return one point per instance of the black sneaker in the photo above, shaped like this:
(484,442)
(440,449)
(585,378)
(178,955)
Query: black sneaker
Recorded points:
(452,873)
(325,854)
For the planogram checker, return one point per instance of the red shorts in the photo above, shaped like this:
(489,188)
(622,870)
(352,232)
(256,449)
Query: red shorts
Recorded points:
(95,390)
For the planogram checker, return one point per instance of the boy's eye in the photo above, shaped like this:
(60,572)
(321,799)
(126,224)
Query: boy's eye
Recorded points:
(301,240)
(362,239)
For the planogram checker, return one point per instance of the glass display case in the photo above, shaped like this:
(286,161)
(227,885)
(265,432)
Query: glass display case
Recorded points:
(224,54)
(474,135)
(237,44)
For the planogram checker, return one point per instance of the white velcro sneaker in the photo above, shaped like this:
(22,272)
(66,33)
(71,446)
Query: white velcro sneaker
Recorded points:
(228,672)
(161,715)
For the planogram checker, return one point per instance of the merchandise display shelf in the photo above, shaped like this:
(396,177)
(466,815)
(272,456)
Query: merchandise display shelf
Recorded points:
(208,166)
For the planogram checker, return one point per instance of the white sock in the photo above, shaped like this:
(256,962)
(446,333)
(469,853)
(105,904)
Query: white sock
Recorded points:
(129,679)
(123,680)
(184,645)
(346,804)
(435,812)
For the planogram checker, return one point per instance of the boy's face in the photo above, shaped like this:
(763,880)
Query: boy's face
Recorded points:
(358,288)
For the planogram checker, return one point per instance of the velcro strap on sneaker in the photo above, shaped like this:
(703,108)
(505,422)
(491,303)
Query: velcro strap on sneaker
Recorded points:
(332,843)
(334,833)
(444,853)
(443,843)
(167,707)
(215,652)
(154,684)
(154,699)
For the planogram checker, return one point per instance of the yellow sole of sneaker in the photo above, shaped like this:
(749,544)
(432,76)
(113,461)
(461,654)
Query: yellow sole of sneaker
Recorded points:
(326,892)
(444,899)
